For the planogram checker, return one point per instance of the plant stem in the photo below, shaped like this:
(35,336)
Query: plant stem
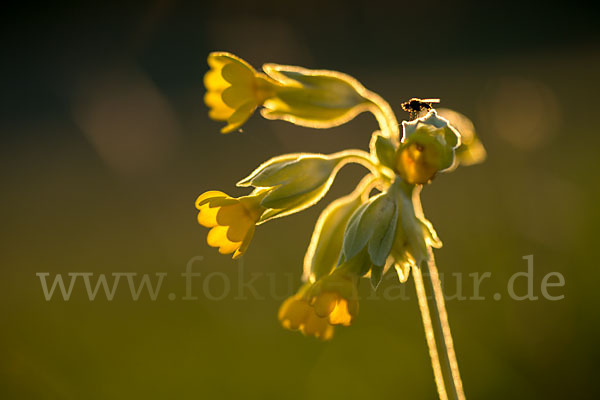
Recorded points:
(437,330)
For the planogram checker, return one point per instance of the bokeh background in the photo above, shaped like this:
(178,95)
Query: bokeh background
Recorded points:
(107,143)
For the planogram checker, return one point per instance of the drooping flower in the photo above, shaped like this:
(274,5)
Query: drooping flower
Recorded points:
(296,313)
(335,296)
(313,98)
(427,147)
(234,89)
(232,220)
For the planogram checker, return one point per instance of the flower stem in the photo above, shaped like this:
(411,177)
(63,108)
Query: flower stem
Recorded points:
(437,330)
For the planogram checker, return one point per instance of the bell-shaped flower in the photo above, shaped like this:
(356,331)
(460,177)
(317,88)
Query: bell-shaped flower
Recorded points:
(427,147)
(335,296)
(293,182)
(296,314)
(232,220)
(234,89)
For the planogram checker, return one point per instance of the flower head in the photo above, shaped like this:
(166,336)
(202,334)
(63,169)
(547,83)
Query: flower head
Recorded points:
(296,314)
(232,220)
(234,89)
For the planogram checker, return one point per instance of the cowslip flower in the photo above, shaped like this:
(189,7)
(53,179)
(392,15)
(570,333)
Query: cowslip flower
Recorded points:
(427,147)
(296,313)
(232,220)
(234,89)
(335,296)
(312,98)
(378,227)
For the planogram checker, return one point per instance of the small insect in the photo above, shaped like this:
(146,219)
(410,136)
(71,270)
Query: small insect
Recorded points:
(414,106)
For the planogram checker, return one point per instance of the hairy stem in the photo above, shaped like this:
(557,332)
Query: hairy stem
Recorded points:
(388,124)
(437,331)
(363,158)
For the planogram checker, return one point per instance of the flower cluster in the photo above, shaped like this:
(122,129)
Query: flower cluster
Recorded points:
(377,226)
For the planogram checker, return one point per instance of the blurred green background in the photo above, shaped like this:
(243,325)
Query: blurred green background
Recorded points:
(107,143)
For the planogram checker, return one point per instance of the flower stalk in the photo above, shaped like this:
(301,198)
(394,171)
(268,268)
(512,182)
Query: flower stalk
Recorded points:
(437,331)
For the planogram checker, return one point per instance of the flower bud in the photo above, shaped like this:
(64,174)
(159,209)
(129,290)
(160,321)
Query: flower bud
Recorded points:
(294,182)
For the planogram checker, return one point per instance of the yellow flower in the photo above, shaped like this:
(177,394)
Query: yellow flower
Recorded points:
(418,163)
(427,147)
(335,297)
(234,89)
(232,220)
(296,314)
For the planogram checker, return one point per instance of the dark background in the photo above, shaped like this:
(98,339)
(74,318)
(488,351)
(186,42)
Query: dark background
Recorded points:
(107,143)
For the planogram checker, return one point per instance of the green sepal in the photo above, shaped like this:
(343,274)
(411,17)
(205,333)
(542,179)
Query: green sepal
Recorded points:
(293,182)
(376,276)
(384,150)
(373,226)
(323,252)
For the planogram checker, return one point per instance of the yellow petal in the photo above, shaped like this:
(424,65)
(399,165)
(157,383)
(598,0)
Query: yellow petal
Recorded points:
(238,73)
(293,312)
(244,246)
(211,194)
(217,237)
(232,214)
(238,231)
(213,81)
(340,314)
(317,327)
(325,303)
(240,116)
(219,111)
(208,215)
(236,96)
